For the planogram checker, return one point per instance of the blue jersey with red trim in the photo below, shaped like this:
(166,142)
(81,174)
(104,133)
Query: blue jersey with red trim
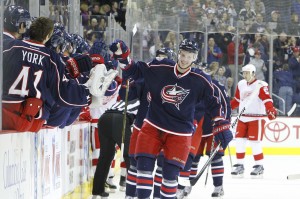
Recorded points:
(220,92)
(173,95)
(32,70)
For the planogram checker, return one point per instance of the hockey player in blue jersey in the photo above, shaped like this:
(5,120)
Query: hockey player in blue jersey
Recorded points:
(16,21)
(174,89)
(140,91)
(217,167)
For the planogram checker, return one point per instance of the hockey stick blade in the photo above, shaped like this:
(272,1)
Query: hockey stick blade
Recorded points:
(291,111)
(293,177)
(192,182)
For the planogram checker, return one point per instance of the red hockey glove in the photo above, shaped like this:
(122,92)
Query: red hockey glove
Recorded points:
(272,113)
(79,64)
(73,67)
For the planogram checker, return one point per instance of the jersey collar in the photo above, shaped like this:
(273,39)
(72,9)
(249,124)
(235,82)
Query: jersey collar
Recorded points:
(180,75)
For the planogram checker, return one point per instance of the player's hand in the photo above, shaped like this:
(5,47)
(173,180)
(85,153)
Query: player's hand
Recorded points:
(272,113)
(120,52)
(119,49)
(79,64)
(73,67)
(222,133)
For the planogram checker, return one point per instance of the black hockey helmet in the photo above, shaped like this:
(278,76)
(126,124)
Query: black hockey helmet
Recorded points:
(188,45)
(56,40)
(14,16)
(167,52)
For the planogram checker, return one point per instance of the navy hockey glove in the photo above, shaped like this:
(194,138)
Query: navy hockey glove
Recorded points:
(84,63)
(222,133)
(120,52)
(100,48)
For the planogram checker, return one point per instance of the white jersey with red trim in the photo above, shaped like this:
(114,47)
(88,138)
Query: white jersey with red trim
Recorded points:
(253,97)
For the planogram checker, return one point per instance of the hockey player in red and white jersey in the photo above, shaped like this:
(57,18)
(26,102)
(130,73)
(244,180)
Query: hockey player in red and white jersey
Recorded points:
(253,99)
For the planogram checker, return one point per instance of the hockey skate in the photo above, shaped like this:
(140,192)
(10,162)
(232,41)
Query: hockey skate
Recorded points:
(110,187)
(122,184)
(187,190)
(238,171)
(103,195)
(257,172)
(179,194)
(218,192)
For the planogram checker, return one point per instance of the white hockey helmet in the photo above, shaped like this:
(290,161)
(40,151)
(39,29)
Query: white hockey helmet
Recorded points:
(249,67)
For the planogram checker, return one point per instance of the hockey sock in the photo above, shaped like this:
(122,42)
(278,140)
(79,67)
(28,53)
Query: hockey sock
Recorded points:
(194,167)
(257,152)
(240,149)
(185,173)
(169,182)
(158,176)
(217,170)
(144,180)
(131,178)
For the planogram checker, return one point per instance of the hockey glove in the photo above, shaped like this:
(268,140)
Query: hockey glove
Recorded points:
(222,133)
(272,113)
(84,63)
(78,64)
(121,53)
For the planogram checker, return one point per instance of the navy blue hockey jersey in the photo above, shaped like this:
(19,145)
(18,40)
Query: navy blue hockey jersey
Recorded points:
(32,70)
(173,95)
(220,92)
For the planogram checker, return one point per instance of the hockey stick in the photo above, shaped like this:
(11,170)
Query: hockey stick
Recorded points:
(193,181)
(124,119)
(293,177)
(134,30)
(211,151)
(291,111)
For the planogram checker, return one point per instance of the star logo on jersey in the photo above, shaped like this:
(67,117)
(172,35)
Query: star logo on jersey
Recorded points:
(174,94)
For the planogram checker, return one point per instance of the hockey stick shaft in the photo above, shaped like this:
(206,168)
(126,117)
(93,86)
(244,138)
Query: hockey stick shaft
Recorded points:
(124,119)
(293,177)
(291,111)
(192,182)
(211,151)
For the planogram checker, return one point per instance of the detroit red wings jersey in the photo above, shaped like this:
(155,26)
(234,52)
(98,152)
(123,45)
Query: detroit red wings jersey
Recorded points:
(253,97)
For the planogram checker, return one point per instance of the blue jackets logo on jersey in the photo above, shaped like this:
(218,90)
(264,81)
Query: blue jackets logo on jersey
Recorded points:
(174,94)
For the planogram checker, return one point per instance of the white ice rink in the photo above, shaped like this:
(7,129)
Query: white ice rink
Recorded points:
(274,185)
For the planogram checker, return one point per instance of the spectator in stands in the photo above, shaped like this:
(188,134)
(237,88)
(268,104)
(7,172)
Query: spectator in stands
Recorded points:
(220,75)
(229,87)
(104,9)
(275,18)
(258,26)
(95,10)
(294,63)
(93,27)
(259,65)
(102,27)
(91,37)
(294,27)
(285,81)
(84,12)
(247,14)
(259,7)
(280,47)
(296,7)
(214,53)
(222,39)
(284,7)
(230,9)
(231,54)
